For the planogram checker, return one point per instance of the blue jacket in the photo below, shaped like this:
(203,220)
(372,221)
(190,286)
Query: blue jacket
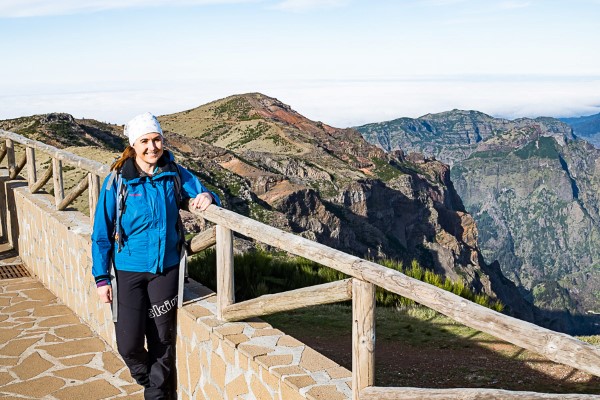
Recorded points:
(149,219)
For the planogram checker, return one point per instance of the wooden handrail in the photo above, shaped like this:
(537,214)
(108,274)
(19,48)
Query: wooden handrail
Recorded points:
(62,155)
(408,393)
(555,346)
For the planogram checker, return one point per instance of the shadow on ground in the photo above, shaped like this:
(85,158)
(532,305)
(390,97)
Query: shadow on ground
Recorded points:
(433,352)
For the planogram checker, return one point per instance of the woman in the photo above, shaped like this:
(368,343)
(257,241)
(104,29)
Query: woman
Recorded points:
(142,241)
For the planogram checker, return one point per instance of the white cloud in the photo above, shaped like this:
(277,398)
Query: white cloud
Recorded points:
(339,103)
(38,8)
(305,5)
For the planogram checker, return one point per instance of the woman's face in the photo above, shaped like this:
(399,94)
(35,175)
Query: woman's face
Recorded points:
(149,148)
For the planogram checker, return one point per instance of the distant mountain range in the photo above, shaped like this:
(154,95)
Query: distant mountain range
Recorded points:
(587,127)
(533,189)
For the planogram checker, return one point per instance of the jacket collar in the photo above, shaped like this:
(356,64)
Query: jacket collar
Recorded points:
(165,163)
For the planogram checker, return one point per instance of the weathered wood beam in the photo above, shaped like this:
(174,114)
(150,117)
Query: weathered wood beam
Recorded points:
(291,300)
(93,193)
(2,151)
(225,283)
(10,156)
(76,192)
(42,181)
(18,167)
(363,336)
(203,240)
(57,178)
(31,171)
(555,346)
(407,393)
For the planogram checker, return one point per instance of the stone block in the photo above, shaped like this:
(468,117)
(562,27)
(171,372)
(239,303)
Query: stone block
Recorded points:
(270,379)
(31,366)
(259,390)
(218,368)
(289,393)
(299,381)
(236,388)
(329,392)
(268,361)
(212,392)
(314,361)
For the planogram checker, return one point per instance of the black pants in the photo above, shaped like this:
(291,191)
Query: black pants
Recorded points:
(147,310)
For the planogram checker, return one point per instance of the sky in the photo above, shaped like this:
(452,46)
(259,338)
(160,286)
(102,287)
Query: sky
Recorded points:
(342,62)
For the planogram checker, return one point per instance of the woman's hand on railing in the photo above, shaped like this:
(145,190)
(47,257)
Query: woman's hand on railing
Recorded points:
(201,202)
(105,293)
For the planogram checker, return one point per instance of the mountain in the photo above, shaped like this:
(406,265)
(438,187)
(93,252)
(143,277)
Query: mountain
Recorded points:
(587,127)
(448,136)
(533,190)
(327,184)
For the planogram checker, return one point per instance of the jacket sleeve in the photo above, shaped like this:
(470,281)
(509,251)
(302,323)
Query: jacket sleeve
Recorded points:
(192,186)
(102,234)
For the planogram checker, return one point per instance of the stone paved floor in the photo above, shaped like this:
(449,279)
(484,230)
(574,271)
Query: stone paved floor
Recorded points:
(46,352)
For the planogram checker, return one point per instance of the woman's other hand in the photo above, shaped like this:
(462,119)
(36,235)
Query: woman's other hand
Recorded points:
(105,293)
(202,201)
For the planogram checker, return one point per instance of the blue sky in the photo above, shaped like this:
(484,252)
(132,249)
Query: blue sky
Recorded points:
(344,62)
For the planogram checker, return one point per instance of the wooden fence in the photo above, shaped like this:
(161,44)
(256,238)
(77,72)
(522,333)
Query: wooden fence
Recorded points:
(360,288)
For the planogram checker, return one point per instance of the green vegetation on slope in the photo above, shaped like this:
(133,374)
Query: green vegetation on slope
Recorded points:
(260,272)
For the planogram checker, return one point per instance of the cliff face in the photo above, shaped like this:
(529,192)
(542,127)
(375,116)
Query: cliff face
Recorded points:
(532,188)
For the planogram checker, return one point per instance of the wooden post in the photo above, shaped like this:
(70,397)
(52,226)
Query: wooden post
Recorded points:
(31,171)
(10,156)
(363,336)
(225,284)
(94,193)
(59,192)
(2,151)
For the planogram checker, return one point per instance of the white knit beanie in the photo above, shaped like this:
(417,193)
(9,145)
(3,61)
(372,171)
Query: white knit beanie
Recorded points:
(141,125)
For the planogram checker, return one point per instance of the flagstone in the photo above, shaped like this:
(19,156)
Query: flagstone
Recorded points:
(92,345)
(69,319)
(80,373)
(95,390)
(16,347)
(37,388)
(31,367)
(74,332)
(78,360)
(111,362)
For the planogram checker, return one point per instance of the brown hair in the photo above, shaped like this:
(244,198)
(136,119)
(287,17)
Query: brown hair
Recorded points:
(129,152)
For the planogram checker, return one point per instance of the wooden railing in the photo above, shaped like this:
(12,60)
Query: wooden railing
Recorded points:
(92,181)
(360,288)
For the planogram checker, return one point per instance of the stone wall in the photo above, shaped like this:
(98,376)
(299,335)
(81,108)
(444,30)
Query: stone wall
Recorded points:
(215,360)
